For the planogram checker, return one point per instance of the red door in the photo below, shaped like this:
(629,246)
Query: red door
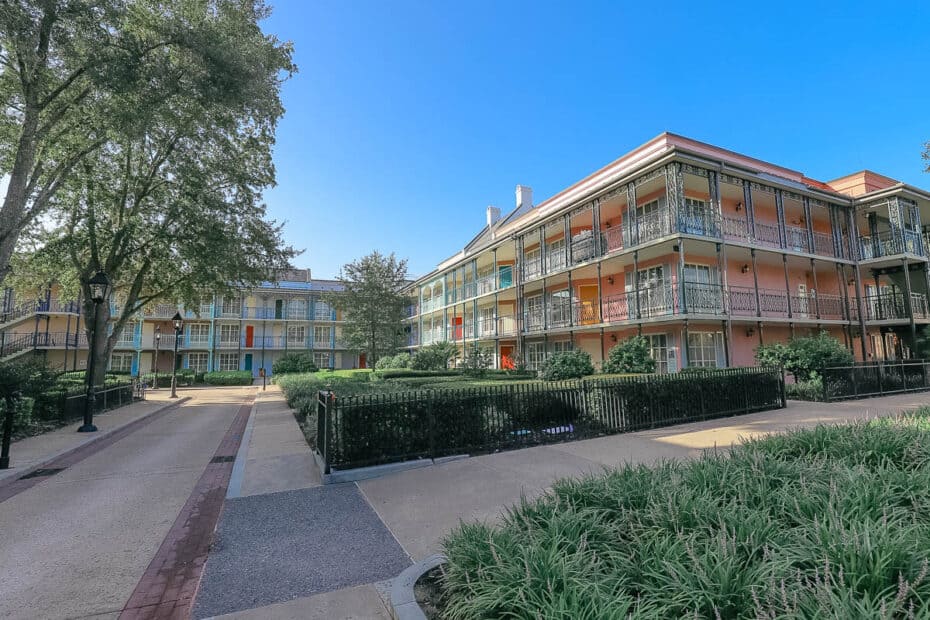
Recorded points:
(507,358)
(457,331)
(249,335)
(362,360)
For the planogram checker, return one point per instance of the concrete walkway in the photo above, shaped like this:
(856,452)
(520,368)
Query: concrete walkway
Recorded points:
(29,452)
(287,547)
(77,544)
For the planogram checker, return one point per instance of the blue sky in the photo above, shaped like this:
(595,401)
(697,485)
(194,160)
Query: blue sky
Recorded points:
(408,118)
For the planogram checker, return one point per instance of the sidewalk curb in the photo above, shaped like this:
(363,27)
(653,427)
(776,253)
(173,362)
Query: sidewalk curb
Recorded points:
(403,600)
(91,441)
(234,489)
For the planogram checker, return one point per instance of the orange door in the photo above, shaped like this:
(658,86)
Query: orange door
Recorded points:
(507,358)
(249,335)
(362,362)
(457,332)
(588,297)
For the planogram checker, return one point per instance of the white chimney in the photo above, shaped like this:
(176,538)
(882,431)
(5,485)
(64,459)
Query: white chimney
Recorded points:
(493,214)
(524,196)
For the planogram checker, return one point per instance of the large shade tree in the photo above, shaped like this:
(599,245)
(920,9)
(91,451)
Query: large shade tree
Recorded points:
(171,207)
(79,75)
(373,304)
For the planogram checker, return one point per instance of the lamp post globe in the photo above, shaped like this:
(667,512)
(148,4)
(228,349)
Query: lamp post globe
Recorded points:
(178,321)
(99,286)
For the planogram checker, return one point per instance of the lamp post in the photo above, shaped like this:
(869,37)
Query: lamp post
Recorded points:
(178,324)
(155,364)
(99,288)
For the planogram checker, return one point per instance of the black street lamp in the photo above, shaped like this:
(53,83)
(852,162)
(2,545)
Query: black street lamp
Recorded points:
(178,324)
(157,342)
(99,287)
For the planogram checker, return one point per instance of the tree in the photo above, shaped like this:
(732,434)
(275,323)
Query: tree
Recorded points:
(435,356)
(171,207)
(75,75)
(372,304)
(567,365)
(18,379)
(802,357)
(630,356)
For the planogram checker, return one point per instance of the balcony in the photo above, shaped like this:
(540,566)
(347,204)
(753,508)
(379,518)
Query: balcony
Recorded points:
(890,243)
(892,307)
(160,311)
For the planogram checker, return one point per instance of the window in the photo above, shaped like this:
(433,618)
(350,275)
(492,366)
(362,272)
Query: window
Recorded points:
(535,355)
(534,313)
(228,361)
(231,306)
(560,307)
(555,255)
(296,334)
(197,362)
(297,309)
(651,221)
(127,336)
(322,311)
(121,362)
(322,336)
(486,321)
(701,291)
(654,296)
(658,350)
(702,349)
(696,218)
(321,359)
(561,346)
(229,334)
(199,335)
(531,263)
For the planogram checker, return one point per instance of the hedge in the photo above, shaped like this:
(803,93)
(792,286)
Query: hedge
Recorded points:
(228,377)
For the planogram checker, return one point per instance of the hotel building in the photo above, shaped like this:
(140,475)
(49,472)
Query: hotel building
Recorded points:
(706,252)
(245,331)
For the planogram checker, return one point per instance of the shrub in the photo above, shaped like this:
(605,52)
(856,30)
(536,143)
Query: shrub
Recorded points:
(388,362)
(477,362)
(805,355)
(412,372)
(228,377)
(567,365)
(812,389)
(633,355)
(293,363)
(434,356)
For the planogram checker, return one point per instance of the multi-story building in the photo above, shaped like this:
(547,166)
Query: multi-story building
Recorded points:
(706,252)
(245,331)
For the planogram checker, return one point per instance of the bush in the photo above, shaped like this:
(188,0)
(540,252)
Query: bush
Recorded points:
(435,356)
(228,377)
(411,372)
(812,389)
(803,356)
(567,365)
(830,522)
(294,362)
(477,362)
(633,355)
(388,362)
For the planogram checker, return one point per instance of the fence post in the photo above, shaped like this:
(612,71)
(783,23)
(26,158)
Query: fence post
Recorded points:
(880,369)
(324,409)
(784,392)
(431,426)
(584,398)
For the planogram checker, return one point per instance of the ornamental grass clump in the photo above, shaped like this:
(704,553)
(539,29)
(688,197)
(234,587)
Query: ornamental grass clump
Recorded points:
(832,522)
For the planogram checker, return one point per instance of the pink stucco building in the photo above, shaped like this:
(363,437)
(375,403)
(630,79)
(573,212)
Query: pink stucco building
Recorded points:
(706,252)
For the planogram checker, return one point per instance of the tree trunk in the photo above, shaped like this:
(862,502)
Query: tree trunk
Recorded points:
(14,204)
(7,433)
(97,340)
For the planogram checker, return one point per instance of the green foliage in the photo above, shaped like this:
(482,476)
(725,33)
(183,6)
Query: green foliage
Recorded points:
(567,365)
(294,363)
(228,377)
(812,389)
(803,356)
(390,362)
(831,522)
(372,304)
(413,372)
(630,356)
(477,362)
(434,356)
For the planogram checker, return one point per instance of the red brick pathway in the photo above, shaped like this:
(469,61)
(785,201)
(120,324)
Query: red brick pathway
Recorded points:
(15,486)
(168,586)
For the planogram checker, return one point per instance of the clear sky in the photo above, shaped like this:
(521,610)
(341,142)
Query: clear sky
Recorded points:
(408,118)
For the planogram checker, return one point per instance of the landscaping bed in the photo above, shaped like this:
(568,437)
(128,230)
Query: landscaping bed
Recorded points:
(832,522)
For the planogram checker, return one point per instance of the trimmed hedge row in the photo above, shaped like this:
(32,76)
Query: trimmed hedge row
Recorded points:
(228,377)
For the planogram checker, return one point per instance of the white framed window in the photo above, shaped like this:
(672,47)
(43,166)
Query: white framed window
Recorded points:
(231,306)
(321,359)
(228,361)
(322,311)
(322,336)
(560,308)
(532,266)
(296,334)
(197,361)
(654,296)
(534,313)
(702,349)
(127,336)
(535,355)
(561,346)
(229,334)
(121,362)
(555,255)
(297,308)
(658,350)
(199,335)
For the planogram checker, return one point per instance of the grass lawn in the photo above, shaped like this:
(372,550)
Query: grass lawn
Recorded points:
(832,522)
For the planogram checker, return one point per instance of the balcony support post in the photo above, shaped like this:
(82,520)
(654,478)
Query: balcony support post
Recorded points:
(909,303)
(543,258)
(571,304)
(816,290)
(809,225)
(603,356)
(784,262)
(682,285)
(755,281)
(747,207)
(726,343)
(674,192)
(596,226)
(632,221)
(600,301)
(713,191)
(759,330)
(545,305)
(636,288)
(835,233)
(724,301)
(780,216)
(263,343)
(873,235)
(567,233)
(683,358)
(878,295)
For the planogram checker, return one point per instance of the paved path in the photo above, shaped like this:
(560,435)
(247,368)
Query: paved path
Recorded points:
(78,544)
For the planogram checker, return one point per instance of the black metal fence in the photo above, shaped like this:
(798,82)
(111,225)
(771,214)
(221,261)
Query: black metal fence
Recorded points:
(867,379)
(358,431)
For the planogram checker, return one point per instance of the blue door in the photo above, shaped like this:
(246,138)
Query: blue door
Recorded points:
(248,361)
